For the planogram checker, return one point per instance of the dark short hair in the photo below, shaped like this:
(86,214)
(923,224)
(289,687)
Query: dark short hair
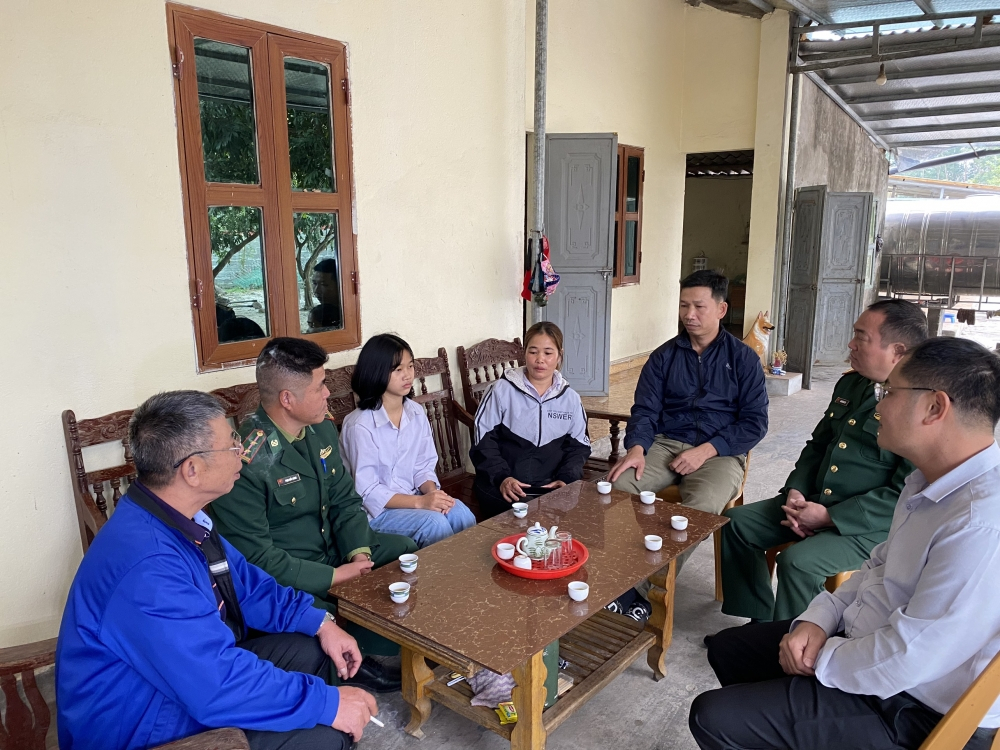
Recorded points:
(714,280)
(165,428)
(965,370)
(284,362)
(545,328)
(379,356)
(903,322)
(327,265)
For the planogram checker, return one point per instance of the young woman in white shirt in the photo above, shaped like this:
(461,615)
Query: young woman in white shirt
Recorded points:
(388,448)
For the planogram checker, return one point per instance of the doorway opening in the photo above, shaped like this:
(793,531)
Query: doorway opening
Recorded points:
(717,190)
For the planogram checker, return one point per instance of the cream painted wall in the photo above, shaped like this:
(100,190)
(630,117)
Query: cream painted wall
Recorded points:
(94,282)
(769,163)
(660,82)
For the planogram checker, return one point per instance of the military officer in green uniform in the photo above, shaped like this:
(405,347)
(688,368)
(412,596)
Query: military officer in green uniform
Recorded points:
(838,502)
(294,511)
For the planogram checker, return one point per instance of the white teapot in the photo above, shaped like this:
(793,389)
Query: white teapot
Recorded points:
(533,543)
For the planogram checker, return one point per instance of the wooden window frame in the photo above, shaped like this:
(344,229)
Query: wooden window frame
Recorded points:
(621,216)
(274,195)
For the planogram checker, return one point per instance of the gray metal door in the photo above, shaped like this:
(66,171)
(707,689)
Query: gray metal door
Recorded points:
(807,225)
(843,251)
(580,183)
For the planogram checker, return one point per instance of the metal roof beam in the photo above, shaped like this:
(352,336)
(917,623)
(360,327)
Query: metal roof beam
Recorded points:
(808,12)
(983,124)
(850,112)
(908,114)
(934,93)
(947,141)
(762,5)
(883,22)
(903,75)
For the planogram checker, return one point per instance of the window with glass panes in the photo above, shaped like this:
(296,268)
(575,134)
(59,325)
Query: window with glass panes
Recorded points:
(266,165)
(628,215)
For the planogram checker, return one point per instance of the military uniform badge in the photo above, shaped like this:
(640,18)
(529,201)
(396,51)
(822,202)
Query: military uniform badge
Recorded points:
(251,444)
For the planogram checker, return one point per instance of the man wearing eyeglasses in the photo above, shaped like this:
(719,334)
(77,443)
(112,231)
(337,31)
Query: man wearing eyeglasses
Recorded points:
(878,662)
(155,643)
(837,503)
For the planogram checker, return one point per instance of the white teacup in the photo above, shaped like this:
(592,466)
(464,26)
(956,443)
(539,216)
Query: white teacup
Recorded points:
(505,551)
(399,592)
(578,590)
(679,522)
(653,542)
(522,562)
(604,488)
(520,509)
(647,497)
(408,563)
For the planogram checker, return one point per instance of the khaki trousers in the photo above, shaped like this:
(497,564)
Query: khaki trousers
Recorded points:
(709,488)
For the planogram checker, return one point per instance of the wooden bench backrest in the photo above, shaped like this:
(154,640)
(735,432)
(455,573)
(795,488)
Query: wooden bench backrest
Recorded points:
(438,404)
(92,490)
(484,363)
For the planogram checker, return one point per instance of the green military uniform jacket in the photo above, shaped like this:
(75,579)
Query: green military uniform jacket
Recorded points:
(295,519)
(842,466)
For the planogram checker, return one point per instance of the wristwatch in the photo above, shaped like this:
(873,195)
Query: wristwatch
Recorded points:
(327,617)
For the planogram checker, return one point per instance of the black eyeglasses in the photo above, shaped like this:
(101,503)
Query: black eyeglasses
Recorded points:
(237,449)
(882,390)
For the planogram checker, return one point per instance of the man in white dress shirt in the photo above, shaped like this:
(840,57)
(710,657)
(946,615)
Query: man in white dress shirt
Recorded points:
(877,663)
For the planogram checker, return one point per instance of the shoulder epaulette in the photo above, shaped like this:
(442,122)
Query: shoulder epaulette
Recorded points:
(252,444)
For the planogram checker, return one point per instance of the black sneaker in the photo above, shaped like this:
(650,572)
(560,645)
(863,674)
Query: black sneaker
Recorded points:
(639,611)
(615,607)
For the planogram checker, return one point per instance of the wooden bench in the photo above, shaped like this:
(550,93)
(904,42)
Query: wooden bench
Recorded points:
(28,717)
(486,362)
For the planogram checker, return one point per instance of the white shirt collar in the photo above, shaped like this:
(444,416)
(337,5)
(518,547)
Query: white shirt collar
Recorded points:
(381,417)
(961,475)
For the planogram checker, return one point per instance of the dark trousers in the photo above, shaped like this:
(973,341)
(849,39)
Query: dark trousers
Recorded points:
(802,568)
(759,706)
(294,652)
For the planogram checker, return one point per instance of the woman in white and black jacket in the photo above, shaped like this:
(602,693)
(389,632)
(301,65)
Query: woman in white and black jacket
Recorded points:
(531,429)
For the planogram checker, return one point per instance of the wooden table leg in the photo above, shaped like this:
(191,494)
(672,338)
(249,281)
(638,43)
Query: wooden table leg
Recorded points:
(416,675)
(614,455)
(529,700)
(661,622)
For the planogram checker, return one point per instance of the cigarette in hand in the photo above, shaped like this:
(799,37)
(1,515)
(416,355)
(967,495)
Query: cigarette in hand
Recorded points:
(376,722)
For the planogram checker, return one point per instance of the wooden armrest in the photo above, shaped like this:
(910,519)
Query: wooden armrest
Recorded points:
(218,739)
(29,656)
(462,415)
(605,416)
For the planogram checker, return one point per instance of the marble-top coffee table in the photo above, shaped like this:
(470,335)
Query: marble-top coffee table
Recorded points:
(466,613)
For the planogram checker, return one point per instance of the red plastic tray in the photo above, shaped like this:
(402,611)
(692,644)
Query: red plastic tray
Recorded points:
(540,574)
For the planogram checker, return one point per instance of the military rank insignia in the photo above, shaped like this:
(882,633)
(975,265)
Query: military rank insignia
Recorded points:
(251,444)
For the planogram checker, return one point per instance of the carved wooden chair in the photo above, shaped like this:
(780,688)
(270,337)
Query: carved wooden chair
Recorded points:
(27,719)
(486,362)
(672,494)
(444,414)
(93,489)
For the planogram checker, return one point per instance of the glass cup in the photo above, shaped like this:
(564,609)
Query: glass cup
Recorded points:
(565,540)
(553,556)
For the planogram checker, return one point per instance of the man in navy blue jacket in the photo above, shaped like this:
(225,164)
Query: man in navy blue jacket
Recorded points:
(154,644)
(700,406)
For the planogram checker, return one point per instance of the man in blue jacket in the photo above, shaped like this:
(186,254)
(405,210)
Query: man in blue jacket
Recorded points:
(700,406)
(155,640)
